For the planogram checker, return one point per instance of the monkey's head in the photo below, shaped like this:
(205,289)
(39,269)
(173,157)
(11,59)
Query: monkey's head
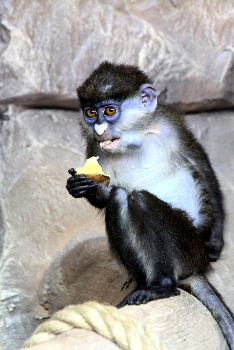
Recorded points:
(117,101)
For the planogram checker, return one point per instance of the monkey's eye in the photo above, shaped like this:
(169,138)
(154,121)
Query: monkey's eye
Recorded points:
(91,113)
(110,111)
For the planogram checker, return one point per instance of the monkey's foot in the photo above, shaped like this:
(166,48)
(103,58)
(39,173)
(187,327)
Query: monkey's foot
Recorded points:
(143,296)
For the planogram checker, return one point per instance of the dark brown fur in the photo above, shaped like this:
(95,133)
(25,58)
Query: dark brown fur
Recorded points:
(94,89)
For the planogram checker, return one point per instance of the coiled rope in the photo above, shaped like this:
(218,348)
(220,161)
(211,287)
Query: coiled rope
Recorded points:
(127,332)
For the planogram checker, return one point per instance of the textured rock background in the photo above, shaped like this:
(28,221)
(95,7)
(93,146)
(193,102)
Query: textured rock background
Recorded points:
(49,47)
(51,254)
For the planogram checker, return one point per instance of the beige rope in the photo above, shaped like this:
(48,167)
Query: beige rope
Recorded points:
(127,332)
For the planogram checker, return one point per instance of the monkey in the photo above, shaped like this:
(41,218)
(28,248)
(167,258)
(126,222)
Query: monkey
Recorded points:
(164,211)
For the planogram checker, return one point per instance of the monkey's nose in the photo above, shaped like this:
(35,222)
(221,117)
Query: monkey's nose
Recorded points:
(100,128)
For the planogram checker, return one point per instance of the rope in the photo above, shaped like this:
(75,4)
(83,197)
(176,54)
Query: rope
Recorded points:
(127,332)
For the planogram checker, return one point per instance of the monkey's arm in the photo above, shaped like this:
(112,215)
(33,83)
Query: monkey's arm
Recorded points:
(197,156)
(79,186)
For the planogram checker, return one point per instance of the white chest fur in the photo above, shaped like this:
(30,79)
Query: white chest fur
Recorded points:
(157,169)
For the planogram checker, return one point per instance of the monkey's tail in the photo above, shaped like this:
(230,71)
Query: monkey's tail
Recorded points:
(203,291)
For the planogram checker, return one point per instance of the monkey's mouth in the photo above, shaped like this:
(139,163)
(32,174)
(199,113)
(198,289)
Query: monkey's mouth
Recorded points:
(109,145)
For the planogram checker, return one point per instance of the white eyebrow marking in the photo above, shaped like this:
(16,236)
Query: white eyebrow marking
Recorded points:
(105,88)
(100,128)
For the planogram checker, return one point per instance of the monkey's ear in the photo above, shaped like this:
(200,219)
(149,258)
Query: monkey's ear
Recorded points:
(148,97)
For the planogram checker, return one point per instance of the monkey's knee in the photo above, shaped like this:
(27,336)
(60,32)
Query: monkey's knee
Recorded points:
(138,200)
(119,196)
(128,205)
(117,208)
(133,200)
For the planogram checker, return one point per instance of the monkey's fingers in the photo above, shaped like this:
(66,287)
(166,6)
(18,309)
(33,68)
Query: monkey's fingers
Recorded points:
(80,186)
(77,181)
(71,182)
(72,171)
(82,191)
(214,248)
(77,178)
(121,304)
(143,296)
(214,256)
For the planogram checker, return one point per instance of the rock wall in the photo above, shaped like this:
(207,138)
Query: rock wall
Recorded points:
(53,247)
(48,48)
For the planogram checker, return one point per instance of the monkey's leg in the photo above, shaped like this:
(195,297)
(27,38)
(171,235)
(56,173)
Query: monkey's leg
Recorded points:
(133,238)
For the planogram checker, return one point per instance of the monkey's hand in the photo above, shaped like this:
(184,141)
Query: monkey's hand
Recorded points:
(214,247)
(79,186)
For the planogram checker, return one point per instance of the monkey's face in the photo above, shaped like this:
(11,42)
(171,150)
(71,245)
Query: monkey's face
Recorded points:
(117,101)
(117,126)
(103,118)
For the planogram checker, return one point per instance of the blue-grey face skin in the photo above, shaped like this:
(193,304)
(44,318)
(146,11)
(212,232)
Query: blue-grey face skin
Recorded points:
(115,123)
(101,112)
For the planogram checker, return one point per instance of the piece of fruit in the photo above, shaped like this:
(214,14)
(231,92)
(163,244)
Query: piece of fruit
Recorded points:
(93,170)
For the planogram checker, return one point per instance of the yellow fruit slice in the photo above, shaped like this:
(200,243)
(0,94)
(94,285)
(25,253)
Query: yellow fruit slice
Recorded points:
(93,170)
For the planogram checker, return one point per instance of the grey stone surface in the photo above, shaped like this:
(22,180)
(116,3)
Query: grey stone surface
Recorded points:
(48,47)
(84,271)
